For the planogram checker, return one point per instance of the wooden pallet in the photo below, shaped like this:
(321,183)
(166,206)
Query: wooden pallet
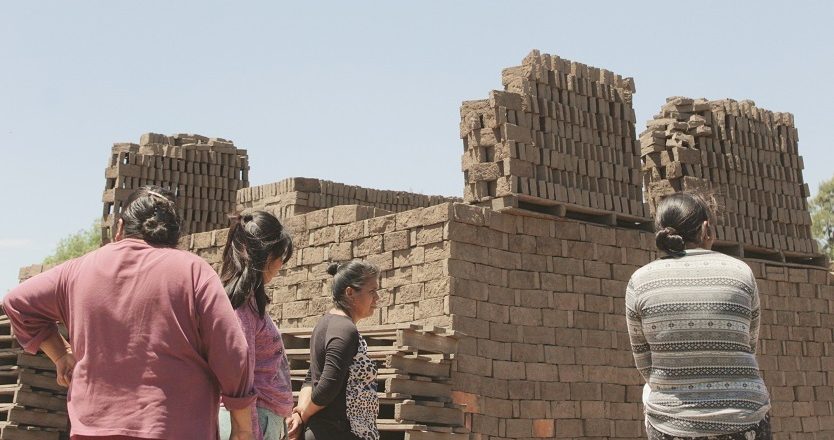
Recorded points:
(545,208)
(413,379)
(11,431)
(744,251)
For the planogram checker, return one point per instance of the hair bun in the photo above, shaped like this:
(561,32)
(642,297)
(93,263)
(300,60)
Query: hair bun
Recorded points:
(333,268)
(668,240)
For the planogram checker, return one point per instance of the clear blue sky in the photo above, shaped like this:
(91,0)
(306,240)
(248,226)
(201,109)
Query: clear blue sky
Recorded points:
(364,93)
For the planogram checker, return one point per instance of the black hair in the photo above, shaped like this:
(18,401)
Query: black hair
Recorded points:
(150,213)
(353,274)
(679,220)
(253,239)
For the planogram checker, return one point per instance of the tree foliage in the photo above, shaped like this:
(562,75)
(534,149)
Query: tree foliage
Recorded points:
(822,216)
(76,245)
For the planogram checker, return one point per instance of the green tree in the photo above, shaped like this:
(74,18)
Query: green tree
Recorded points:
(76,245)
(822,216)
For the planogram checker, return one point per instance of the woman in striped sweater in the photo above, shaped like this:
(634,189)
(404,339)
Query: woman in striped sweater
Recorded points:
(693,320)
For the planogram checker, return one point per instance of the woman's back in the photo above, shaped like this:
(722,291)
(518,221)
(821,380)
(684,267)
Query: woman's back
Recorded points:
(693,323)
(151,328)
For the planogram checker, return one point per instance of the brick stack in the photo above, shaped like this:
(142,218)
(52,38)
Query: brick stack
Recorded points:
(413,379)
(561,133)
(748,156)
(205,173)
(796,347)
(410,249)
(299,195)
(541,302)
(34,405)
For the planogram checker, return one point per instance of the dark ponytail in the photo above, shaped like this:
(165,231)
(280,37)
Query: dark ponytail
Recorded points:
(253,239)
(150,213)
(351,274)
(679,221)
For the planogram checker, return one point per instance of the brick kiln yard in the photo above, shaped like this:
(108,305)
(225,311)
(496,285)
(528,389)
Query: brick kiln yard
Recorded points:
(502,314)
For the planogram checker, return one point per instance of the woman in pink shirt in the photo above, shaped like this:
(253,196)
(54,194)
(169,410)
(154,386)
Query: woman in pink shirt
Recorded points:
(256,248)
(155,343)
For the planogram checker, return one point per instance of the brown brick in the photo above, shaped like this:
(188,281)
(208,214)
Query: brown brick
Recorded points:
(400,313)
(553,282)
(568,266)
(437,251)
(519,279)
(409,257)
(396,240)
(348,232)
(586,285)
(570,428)
(470,252)
(367,246)
(579,250)
(549,246)
(508,370)
(522,244)
(538,334)
(542,372)
(527,352)
(518,428)
(534,263)
(504,332)
(522,389)
(494,350)
(381,225)
(586,391)
(544,428)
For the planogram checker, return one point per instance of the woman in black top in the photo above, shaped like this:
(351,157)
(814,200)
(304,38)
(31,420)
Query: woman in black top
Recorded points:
(338,400)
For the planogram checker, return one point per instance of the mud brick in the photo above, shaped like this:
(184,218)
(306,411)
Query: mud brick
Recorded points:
(586,285)
(522,244)
(542,372)
(569,428)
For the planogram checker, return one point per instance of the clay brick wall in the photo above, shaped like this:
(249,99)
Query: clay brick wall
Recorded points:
(410,248)
(205,173)
(299,195)
(561,133)
(540,302)
(548,355)
(748,155)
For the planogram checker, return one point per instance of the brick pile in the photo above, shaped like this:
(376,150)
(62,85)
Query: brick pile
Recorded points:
(413,378)
(561,133)
(747,155)
(33,404)
(299,195)
(408,247)
(205,173)
(538,305)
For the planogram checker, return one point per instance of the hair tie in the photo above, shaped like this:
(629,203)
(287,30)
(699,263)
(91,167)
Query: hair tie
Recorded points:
(154,193)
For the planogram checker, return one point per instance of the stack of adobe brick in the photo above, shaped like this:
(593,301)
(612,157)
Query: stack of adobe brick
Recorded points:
(408,247)
(205,173)
(747,155)
(299,195)
(33,404)
(561,132)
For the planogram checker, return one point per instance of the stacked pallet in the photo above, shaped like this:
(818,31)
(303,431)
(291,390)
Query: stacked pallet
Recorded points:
(748,157)
(205,174)
(32,404)
(299,195)
(413,379)
(560,134)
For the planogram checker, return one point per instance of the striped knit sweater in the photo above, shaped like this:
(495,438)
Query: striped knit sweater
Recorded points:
(693,323)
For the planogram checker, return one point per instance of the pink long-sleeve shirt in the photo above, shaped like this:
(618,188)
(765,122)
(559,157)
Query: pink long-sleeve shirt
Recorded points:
(155,337)
(270,366)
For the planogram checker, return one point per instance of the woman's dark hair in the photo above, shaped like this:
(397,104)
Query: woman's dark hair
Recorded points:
(150,213)
(353,274)
(679,220)
(253,239)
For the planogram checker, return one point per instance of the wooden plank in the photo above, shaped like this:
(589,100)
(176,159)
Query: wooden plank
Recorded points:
(419,365)
(25,416)
(427,341)
(410,411)
(418,388)
(429,435)
(40,380)
(32,399)
(35,362)
(12,432)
